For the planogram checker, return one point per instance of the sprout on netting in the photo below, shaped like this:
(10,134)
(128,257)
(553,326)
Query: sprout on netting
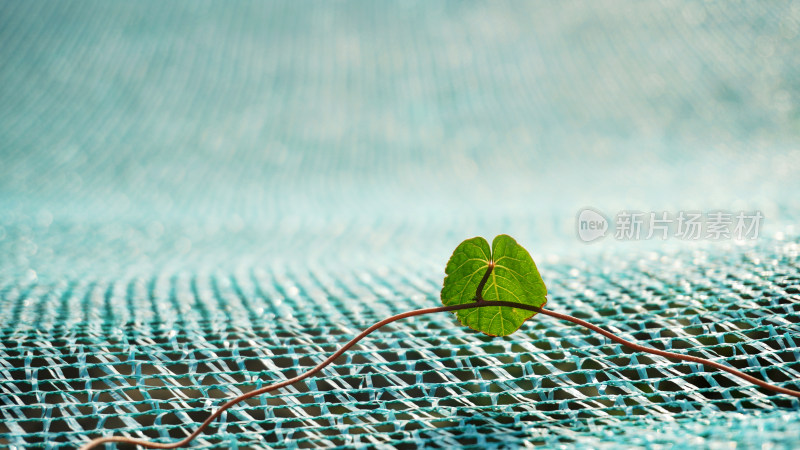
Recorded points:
(492,290)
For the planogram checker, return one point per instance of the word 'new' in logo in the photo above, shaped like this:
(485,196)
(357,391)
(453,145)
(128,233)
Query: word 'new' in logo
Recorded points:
(591,225)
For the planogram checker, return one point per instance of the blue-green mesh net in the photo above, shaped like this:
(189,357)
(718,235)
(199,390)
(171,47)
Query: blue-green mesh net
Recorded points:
(199,199)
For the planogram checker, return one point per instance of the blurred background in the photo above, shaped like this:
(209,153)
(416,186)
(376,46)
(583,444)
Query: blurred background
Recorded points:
(136,136)
(293,146)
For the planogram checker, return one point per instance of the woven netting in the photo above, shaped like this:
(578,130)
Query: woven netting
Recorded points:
(148,357)
(198,199)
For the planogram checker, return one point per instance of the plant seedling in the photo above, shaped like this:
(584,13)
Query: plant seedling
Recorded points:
(491,290)
(506,272)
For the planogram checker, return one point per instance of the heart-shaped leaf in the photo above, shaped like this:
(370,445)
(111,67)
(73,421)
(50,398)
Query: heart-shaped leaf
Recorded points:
(514,278)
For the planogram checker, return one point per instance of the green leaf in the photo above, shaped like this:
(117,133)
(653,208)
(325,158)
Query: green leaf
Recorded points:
(514,278)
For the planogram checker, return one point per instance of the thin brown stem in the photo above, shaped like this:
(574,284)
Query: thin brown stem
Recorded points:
(419,312)
(479,291)
(672,355)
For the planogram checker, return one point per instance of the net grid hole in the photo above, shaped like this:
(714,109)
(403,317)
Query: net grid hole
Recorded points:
(424,380)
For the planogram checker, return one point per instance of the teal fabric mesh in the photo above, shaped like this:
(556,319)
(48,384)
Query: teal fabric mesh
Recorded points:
(198,199)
